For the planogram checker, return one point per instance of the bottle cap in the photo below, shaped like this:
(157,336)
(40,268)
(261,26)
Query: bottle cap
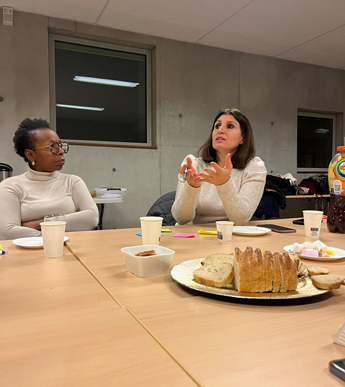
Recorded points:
(340,148)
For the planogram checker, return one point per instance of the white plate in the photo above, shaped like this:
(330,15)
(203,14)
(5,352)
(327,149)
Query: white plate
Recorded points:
(339,254)
(32,242)
(250,230)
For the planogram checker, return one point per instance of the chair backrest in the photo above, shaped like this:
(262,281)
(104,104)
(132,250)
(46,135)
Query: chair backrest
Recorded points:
(162,207)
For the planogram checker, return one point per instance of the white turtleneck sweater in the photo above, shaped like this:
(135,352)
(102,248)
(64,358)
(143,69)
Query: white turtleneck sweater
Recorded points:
(33,195)
(235,200)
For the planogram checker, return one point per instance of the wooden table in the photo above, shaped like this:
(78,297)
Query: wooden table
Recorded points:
(224,341)
(59,327)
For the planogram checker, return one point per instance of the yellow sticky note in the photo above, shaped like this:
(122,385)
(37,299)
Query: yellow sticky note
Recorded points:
(165,230)
(207,232)
(0,247)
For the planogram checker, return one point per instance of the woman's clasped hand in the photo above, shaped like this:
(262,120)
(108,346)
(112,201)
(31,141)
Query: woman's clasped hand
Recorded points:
(216,175)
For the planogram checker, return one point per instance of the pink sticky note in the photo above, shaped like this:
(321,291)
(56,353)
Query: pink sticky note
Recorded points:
(184,235)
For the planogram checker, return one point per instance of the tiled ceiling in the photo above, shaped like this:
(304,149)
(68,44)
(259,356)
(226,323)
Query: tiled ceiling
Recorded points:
(308,31)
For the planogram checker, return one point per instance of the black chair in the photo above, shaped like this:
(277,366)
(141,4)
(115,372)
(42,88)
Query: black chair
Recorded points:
(162,207)
(273,199)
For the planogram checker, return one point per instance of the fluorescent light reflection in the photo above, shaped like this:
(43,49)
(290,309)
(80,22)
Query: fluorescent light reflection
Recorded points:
(96,109)
(321,130)
(101,81)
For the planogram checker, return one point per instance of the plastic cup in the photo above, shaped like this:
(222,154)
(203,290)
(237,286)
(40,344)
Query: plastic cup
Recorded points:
(151,229)
(53,234)
(55,218)
(224,230)
(312,223)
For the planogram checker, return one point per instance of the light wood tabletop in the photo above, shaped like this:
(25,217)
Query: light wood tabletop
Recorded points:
(219,340)
(59,327)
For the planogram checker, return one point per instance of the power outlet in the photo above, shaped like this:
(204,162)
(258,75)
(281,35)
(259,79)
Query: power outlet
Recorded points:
(7,16)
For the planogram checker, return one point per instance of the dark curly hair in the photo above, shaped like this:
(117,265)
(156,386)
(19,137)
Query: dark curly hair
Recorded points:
(245,152)
(25,135)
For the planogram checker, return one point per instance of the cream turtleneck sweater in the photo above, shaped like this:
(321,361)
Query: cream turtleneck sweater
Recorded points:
(235,200)
(33,195)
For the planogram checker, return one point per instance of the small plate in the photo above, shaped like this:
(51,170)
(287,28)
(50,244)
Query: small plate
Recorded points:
(339,254)
(250,230)
(32,242)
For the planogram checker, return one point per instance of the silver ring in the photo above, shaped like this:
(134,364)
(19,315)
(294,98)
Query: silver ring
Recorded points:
(209,179)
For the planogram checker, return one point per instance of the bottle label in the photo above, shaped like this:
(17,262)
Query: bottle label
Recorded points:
(339,177)
(337,187)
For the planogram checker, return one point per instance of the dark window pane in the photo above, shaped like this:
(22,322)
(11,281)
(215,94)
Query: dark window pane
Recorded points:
(124,118)
(314,142)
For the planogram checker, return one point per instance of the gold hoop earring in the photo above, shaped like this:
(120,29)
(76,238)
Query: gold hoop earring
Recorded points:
(33,163)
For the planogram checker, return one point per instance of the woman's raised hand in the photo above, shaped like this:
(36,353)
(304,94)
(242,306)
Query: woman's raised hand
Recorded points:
(193,178)
(219,175)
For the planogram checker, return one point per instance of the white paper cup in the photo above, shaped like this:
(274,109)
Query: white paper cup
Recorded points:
(312,223)
(151,229)
(224,230)
(53,238)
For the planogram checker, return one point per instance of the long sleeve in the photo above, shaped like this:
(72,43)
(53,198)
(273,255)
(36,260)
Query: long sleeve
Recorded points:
(240,205)
(86,216)
(33,195)
(235,200)
(10,215)
(183,209)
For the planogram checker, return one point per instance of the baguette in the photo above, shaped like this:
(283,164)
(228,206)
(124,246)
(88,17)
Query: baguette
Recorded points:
(328,282)
(217,275)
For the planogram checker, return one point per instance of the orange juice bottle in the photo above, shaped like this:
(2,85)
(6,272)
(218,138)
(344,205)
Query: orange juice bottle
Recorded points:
(336,180)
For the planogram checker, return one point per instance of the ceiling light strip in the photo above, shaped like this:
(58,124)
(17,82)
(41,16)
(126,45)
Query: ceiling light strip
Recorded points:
(96,109)
(102,81)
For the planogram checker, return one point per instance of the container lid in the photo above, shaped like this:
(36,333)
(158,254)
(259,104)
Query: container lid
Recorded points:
(5,167)
(340,148)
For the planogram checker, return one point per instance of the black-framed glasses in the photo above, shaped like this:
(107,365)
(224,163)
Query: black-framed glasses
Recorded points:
(55,147)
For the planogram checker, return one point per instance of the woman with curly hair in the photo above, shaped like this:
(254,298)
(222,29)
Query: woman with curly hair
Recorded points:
(43,190)
(226,181)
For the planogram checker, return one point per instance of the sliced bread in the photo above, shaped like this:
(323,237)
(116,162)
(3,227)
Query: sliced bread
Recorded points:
(328,282)
(218,274)
(316,270)
(268,269)
(218,257)
(243,270)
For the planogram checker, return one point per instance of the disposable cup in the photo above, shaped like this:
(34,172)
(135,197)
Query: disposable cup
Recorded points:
(312,223)
(53,238)
(151,229)
(224,230)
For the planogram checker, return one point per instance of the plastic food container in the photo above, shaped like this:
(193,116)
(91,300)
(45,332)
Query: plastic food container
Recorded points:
(109,192)
(147,266)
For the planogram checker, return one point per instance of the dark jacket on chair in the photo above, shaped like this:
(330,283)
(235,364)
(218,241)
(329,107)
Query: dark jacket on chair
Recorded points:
(162,207)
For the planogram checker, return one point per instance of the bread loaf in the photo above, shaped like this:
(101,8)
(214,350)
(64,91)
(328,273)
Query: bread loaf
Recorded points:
(255,272)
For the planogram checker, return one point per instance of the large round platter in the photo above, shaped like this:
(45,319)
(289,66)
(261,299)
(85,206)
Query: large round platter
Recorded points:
(183,274)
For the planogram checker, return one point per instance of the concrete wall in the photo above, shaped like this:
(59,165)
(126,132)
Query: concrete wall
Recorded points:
(191,83)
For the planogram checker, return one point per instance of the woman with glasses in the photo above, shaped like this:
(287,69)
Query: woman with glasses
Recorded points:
(43,190)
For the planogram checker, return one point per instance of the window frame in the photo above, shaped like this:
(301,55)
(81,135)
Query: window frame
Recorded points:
(317,115)
(52,105)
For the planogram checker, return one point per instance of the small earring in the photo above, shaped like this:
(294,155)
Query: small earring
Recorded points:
(33,163)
